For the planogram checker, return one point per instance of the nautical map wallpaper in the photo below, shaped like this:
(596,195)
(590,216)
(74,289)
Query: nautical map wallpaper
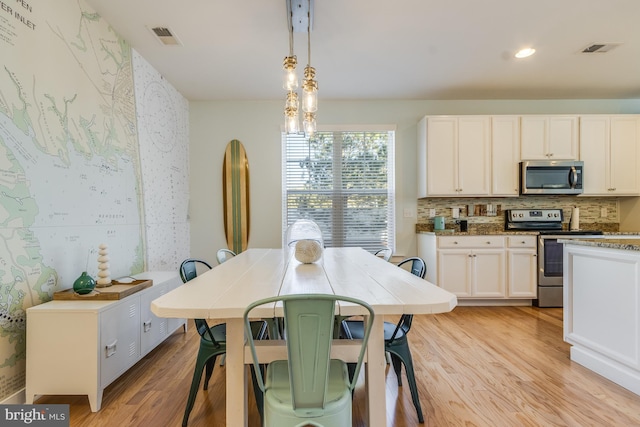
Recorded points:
(93,149)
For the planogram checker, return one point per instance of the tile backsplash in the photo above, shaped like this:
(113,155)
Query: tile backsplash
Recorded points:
(591,209)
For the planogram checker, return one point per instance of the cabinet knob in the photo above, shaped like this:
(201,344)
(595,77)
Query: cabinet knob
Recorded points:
(523,242)
(455,242)
(488,243)
(535,255)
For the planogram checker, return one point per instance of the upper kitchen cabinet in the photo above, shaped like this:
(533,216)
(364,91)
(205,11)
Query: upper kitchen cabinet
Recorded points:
(505,155)
(549,138)
(609,149)
(454,156)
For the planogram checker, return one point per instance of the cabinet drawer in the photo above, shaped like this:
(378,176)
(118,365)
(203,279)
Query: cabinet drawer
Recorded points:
(457,242)
(521,241)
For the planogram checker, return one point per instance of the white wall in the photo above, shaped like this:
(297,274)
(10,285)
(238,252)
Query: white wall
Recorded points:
(257,126)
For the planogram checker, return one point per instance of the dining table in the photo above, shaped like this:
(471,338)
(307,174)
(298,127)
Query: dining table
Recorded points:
(224,292)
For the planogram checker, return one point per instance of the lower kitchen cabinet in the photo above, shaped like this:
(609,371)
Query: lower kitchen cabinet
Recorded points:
(472,266)
(490,267)
(80,347)
(522,267)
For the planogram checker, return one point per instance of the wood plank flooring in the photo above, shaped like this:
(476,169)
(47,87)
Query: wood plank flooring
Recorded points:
(475,366)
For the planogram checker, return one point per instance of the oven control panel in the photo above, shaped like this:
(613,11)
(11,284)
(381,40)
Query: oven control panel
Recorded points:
(534,215)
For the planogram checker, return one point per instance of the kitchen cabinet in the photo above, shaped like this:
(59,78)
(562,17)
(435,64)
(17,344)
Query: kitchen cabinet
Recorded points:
(505,155)
(522,266)
(494,269)
(549,137)
(601,311)
(472,266)
(609,147)
(454,156)
(81,346)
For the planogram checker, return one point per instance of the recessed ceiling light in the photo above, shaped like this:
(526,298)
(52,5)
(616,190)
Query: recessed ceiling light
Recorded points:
(523,53)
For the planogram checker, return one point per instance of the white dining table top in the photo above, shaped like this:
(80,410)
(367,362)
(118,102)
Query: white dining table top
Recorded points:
(225,291)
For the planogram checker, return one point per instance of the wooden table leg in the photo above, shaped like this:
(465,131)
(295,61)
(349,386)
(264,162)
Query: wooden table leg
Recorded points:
(236,375)
(375,376)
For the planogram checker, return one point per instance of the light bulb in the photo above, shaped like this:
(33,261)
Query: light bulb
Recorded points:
(310,100)
(309,91)
(291,122)
(309,124)
(290,78)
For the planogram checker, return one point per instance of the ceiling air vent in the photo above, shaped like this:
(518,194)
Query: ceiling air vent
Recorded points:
(166,36)
(600,47)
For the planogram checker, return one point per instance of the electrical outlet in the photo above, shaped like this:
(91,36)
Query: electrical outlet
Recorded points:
(455,212)
(432,213)
(603,212)
(408,213)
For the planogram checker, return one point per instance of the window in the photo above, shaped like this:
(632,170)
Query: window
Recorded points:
(344,181)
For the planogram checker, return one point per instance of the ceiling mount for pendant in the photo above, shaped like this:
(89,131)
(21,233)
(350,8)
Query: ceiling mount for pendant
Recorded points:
(301,15)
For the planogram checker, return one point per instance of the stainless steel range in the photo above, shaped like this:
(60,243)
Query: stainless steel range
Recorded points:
(548,222)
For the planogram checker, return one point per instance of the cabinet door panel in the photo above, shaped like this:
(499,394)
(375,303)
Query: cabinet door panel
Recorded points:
(473,156)
(153,329)
(488,273)
(594,152)
(453,272)
(522,281)
(119,339)
(563,138)
(624,155)
(533,137)
(442,164)
(505,155)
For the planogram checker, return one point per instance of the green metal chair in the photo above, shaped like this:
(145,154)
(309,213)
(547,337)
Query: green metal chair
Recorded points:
(212,343)
(309,388)
(395,339)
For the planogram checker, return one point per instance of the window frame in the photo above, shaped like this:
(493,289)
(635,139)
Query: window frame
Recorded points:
(336,159)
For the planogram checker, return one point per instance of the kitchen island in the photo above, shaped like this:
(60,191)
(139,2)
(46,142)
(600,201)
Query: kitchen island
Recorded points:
(602,307)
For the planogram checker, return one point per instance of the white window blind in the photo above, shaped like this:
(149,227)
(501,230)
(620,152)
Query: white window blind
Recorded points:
(344,181)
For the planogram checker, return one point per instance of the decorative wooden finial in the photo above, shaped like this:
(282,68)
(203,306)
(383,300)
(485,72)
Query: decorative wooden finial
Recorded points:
(104,278)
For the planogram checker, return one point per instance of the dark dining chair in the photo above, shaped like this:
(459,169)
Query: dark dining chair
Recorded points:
(395,338)
(212,343)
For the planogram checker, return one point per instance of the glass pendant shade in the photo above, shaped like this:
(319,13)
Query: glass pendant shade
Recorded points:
(309,124)
(291,122)
(289,77)
(309,91)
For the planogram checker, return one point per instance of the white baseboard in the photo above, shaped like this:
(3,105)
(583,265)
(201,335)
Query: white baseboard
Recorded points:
(18,398)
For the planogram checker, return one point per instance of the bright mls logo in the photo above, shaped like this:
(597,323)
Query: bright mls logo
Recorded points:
(34,415)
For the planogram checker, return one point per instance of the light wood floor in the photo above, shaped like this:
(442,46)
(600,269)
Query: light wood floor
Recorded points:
(476,366)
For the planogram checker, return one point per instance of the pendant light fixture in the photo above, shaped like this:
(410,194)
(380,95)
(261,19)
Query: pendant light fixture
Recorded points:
(309,86)
(290,81)
(299,20)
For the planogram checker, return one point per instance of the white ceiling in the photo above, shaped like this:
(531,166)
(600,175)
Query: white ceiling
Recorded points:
(391,49)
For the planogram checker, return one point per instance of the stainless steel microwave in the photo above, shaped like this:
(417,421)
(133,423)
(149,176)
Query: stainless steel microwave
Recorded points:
(551,177)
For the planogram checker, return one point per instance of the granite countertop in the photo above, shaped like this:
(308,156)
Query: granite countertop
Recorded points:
(629,244)
(494,229)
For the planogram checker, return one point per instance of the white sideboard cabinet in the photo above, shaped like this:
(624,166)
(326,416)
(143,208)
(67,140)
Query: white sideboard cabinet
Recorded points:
(80,347)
